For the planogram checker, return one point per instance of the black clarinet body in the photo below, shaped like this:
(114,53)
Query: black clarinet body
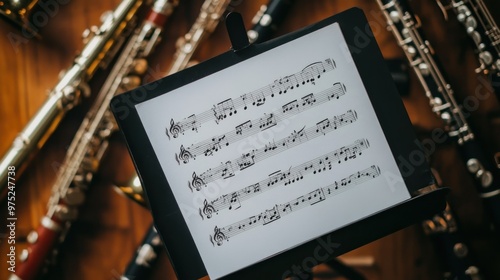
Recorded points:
(451,247)
(419,53)
(443,228)
(476,18)
(145,257)
(267,19)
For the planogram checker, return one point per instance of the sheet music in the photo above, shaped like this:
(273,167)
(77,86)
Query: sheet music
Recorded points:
(273,152)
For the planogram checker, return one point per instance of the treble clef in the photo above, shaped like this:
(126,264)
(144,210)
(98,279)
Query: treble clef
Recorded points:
(208,210)
(183,156)
(196,183)
(175,129)
(218,237)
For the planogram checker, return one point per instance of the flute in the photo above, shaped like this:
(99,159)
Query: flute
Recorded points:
(71,88)
(90,143)
(210,14)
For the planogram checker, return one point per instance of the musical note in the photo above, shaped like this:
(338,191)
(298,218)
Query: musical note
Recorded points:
(216,145)
(267,122)
(223,110)
(308,100)
(250,127)
(240,129)
(227,170)
(270,146)
(285,178)
(279,210)
(282,85)
(229,107)
(246,160)
(296,138)
(270,215)
(291,106)
(234,203)
(322,126)
(259,98)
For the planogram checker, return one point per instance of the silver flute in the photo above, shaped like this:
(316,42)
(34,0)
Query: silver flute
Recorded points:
(102,43)
(90,142)
(210,14)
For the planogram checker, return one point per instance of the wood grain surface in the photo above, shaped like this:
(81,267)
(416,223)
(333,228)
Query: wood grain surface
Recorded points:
(110,227)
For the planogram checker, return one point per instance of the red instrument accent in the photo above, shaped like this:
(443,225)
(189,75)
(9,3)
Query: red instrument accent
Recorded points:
(157,19)
(46,236)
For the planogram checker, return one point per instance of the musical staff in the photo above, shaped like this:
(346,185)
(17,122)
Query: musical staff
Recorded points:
(210,146)
(280,210)
(232,201)
(229,107)
(227,169)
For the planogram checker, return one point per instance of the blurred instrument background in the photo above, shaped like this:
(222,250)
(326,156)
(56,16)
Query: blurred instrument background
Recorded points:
(110,226)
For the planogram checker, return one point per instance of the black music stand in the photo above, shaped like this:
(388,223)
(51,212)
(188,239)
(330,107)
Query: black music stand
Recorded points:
(246,233)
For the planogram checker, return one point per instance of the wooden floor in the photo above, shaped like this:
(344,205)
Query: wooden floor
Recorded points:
(110,226)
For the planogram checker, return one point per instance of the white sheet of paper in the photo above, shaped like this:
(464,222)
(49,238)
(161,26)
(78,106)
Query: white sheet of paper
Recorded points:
(262,179)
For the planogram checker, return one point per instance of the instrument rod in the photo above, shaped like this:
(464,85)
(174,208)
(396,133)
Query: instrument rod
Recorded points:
(69,91)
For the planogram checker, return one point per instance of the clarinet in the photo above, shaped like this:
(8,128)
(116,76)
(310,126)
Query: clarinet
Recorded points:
(90,144)
(450,245)
(419,54)
(267,19)
(72,87)
(210,14)
(145,257)
(141,264)
(483,30)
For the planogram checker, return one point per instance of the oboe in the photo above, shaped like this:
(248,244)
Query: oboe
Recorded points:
(90,143)
(442,101)
(210,14)
(71,88)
